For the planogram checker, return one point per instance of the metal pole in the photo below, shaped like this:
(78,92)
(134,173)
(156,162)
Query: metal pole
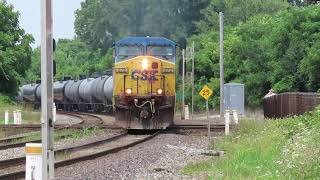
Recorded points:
(207,108)
(192,100)
(183,72)
(221,66)
(46,90)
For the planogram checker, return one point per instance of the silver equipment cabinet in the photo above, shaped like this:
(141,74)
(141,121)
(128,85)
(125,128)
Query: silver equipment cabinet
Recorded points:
(234,97)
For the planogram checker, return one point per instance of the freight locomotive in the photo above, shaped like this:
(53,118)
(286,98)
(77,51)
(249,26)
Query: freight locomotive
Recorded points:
(140,91)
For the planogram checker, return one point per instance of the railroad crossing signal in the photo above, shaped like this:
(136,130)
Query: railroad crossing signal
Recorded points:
(206,92)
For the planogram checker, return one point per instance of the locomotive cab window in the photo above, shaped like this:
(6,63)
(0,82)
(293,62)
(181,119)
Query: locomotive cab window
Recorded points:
(165,52)
(127,52)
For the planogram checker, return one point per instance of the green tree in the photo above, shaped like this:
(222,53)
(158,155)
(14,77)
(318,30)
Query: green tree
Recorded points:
(309,68)
(73,58)
(34,72)
(115,19)
(267,51)
(174,19)
(15,50)
(236,11)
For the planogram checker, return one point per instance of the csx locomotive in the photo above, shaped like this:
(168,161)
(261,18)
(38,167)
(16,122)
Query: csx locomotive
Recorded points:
(144,82)
(140,90)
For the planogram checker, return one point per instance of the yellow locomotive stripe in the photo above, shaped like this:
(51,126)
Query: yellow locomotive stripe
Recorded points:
(33,150)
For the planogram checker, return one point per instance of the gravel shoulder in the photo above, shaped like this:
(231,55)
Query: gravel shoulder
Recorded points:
(160,158)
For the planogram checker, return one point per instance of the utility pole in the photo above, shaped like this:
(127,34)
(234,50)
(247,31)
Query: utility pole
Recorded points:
(46,90)
(221,66)
(192,98)
(183,72)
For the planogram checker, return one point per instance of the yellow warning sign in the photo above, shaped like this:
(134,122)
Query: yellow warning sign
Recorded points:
(206,92)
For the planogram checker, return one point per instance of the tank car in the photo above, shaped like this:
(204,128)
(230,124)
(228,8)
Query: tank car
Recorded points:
(59,93)
(71,93)
(28,94)
(144,82)
(101,90)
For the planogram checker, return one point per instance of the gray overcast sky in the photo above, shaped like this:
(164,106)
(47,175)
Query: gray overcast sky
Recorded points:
(63,14)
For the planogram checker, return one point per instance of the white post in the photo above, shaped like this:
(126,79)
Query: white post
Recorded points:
(235,116)
(54,112)
(15,117)
(33,161)
(18,117)
(186,112)
(6,117)
(227,122)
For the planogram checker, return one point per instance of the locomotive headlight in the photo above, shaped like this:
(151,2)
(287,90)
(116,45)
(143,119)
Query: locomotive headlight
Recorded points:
(128,91)
(145,63)
(159,91)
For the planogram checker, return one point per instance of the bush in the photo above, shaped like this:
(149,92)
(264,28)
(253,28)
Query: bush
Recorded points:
(4,99)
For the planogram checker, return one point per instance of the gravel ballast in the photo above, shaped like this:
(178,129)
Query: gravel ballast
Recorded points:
(160,158)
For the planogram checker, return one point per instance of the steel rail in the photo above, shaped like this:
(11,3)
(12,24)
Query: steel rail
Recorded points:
(21,173)
(81,124)
(23,143)
(198,126)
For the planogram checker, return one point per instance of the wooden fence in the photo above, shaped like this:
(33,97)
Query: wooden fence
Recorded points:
(289,104)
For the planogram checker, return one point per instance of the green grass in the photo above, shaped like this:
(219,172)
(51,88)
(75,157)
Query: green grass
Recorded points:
(274,149)
(29,116)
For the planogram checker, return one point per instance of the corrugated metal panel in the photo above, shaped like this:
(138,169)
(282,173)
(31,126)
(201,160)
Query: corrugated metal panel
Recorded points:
(289,104)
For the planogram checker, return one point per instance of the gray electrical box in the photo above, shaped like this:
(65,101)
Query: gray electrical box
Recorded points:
(234,97)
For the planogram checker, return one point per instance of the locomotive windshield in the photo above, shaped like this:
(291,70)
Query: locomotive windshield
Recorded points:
(127,52)
(161,51)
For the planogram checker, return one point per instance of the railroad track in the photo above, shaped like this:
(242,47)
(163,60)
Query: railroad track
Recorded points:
(22,143)
(86,118)
(87,121)
(4,143)
(15,168)
(198,127)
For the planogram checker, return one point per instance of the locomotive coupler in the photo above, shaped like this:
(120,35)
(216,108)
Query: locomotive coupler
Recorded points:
(145,113)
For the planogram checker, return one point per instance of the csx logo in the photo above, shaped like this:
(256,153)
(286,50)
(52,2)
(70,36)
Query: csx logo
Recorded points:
(144,75)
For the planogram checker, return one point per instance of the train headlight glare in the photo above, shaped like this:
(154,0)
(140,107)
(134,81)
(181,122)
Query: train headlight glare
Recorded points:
(128,91)
(159,91)
(145,64)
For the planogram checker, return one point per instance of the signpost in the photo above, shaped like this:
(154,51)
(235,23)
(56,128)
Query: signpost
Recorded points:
(206,92)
